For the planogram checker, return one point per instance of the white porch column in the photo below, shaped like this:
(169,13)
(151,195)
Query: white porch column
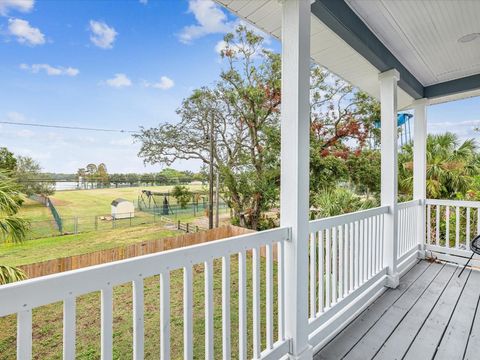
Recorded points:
(295,127)
(389,176)
(420,168)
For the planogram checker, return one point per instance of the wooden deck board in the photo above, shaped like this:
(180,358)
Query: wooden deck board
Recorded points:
(398,342)
(368,346)
(345,340)
(433,314)
(456,336)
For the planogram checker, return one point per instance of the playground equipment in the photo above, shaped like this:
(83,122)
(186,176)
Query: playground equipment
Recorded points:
(159,202)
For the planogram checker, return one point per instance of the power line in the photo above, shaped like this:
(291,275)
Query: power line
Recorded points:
(68,127)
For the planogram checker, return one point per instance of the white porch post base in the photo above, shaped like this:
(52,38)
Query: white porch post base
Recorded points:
(392,281)
(307,354)
(421,254)
(389,173)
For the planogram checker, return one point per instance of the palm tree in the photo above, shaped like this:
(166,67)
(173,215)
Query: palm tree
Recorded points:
(451,166)
(339,201)
(13,228)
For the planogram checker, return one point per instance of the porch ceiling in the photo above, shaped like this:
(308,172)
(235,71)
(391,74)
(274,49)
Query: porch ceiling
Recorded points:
(358,39)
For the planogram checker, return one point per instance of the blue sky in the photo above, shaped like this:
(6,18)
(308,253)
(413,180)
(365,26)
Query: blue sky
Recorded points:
(119,65)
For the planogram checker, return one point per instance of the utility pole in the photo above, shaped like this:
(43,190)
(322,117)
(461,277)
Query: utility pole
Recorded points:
(217,198)
(210,192)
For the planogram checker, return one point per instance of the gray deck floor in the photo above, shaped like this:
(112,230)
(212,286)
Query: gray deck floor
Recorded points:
(433,314)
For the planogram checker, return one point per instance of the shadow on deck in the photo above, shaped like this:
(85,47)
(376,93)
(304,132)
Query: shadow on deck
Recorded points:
(431,315)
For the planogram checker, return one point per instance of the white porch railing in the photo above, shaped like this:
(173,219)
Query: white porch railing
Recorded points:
(22,297)
(407,227)
(347,272)
(451,225)
(346,263)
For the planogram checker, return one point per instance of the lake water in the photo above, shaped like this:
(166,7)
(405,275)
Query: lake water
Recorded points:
(69,185)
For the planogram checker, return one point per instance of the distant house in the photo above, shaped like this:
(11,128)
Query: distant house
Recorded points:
(122,209)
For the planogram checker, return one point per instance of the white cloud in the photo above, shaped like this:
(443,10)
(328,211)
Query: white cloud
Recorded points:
(119,81)
(50,70)
(25,33)
(165,83)
(210,18)
(102,35)
(144,2)
(19,5)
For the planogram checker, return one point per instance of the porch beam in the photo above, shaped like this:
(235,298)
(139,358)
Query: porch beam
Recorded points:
(420,167)
(294,185)
(389,167)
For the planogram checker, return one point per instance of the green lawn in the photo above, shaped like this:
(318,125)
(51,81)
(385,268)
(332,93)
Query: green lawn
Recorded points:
(60,246)
(47,320)
(97,202)
(34,211)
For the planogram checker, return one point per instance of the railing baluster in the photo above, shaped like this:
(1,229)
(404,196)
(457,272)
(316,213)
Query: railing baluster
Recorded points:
(321,271)
(374,245)
(346,258)
(352,253)
(24,335)
(467,230)
(209,335)
(256,303)
(447,226)
(370,247)
(357,254)
(340,262)
(328,273)
(382,240)
(165,316)
(106,323)
(457,227)
(226,339)
(242,306)
(334,264)
(437,226)
(69,327)
(269,295)
(365,250)
(138,321)
(361,253)
(187,314)
(478,221)
(400,230)
(313,284)
(429,224)
(281,292)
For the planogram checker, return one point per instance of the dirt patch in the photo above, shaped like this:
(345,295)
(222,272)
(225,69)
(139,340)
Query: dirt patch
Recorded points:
(58,202)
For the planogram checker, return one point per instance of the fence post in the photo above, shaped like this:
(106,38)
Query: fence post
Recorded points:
(187,227)
(96,222)
(178,225)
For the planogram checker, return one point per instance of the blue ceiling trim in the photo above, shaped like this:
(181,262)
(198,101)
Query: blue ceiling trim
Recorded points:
(341,19)
(453,87)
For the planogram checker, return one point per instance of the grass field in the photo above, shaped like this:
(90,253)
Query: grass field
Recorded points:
(87,203)
(47,320)
(60,246)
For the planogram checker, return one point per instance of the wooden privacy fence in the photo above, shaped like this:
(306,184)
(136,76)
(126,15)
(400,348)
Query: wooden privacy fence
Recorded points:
(147,247)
